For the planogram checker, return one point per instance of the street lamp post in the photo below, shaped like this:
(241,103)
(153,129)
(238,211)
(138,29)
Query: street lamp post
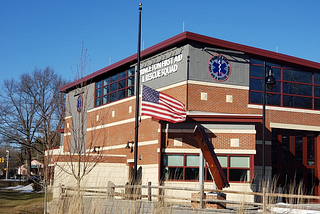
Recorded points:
(7,172)
(268,79)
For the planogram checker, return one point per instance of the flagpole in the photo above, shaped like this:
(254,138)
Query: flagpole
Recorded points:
(135,169)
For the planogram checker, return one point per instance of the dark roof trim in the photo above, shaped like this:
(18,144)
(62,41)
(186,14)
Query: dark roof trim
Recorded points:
(185,36)
(226,118)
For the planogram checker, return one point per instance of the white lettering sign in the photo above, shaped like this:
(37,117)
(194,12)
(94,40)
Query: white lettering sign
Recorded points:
(160,69)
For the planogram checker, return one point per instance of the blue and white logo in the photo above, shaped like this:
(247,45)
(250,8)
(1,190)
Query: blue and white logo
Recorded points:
(79,103)
(219,68)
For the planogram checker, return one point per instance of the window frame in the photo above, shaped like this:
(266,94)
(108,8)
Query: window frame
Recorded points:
(287,99)
(104,89)
(207,176)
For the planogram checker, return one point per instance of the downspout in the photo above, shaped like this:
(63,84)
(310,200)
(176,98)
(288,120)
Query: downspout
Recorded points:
(160,154)
(188,62)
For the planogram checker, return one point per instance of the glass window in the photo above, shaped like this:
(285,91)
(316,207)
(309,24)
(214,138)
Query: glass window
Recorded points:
(130,91)
(256,84)
(239,161)
(298,102)
(274,148)
(113,97)
(317,78)
(311,180)
(173,173)
(121,94)
(223,160)
(122,75)
(256,71)
(114,78)
(273,99)
(239,175)
(256,61)
(115,87)
(192,160)
(186,167)
(122,84)
(317,91)
(173,160)
(106,81)
(105,99)
(317,104)
(274,88)
(285,148)
(294,156)
(98,101)
(297,76)
(255,97)
(192,174)
(131,71)
(276,73)
(98,84)
(106,90)
(130,80)
(98,92)
(294,87)
(310,150)
(298,149)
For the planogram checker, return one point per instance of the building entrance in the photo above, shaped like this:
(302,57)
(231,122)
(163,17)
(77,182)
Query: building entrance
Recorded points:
(293,160)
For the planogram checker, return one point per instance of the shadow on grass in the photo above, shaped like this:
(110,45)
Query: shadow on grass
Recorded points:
(15,202)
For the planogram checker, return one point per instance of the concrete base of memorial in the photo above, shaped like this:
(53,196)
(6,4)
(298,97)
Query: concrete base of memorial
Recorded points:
(210,205)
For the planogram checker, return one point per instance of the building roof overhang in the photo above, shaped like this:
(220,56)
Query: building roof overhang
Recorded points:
(189,36)
(219,117)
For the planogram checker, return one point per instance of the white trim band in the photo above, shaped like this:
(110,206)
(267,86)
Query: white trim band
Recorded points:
(217,151)
(294,127)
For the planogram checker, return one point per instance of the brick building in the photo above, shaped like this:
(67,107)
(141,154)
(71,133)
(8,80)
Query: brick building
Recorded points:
(220,84)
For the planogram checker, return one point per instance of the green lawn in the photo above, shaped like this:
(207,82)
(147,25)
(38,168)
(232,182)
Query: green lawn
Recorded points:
(14,202)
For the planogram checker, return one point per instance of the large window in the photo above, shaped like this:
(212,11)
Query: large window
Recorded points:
(294,88)
(294,159)
(186,167)
(115,87)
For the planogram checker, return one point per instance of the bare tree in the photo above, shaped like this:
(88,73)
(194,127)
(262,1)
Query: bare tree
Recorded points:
(29,110)
(19,119)
(83,139)
(43,86)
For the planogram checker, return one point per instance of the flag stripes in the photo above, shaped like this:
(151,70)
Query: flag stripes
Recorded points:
(161,106)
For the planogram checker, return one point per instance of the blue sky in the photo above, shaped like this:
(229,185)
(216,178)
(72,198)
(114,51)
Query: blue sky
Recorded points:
(50,33)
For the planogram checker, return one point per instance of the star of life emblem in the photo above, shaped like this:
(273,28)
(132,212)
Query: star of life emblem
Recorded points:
(219,68)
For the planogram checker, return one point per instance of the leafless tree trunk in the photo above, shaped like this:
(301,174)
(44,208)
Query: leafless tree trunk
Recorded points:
(43,86)
(82,145)
(18,114)
(29,109)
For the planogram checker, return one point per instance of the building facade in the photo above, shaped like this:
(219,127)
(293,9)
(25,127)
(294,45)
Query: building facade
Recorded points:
(220,84)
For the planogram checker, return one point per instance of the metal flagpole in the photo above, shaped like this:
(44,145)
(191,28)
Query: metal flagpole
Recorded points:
(137,87)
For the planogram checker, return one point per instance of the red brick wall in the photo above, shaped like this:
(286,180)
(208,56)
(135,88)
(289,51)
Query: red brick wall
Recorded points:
(148,129)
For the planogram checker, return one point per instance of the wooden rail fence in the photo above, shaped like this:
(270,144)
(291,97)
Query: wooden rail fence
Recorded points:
(134,192)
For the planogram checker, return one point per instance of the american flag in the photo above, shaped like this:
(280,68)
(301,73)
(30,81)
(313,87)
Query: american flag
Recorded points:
(161,106)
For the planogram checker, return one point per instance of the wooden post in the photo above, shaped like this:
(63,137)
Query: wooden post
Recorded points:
(149,191)
(201,197)
(62,191)
(110,189)
(264,200)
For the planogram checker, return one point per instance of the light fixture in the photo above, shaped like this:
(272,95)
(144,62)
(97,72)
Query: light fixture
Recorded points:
(268,79)
(130,147)
(95,149)
(127,146)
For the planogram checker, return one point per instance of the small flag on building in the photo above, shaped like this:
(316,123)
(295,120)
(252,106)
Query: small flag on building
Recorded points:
(161,106)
